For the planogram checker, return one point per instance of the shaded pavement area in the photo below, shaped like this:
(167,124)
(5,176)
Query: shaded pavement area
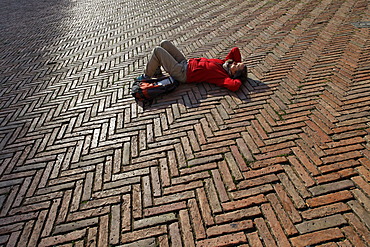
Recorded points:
(284,161)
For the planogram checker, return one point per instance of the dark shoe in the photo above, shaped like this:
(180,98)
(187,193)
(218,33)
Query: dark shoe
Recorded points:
(142,77)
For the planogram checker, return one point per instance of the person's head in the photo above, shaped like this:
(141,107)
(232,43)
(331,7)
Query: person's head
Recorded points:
(239,71)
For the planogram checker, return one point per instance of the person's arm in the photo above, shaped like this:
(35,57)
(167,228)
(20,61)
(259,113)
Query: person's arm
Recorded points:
(235,55)
(231,84)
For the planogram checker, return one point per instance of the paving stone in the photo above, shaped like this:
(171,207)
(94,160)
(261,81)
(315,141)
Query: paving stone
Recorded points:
(319,224)
(282,161)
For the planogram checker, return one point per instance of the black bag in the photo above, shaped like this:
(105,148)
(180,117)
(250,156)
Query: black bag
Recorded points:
(147,89)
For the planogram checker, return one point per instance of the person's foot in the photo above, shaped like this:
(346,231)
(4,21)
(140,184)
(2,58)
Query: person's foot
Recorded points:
(142,77)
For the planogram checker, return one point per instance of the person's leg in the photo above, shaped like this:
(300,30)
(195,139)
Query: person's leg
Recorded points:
(175,53)
(161,57)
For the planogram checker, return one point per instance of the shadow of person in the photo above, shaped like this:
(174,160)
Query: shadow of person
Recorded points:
(192,95)
(252,88)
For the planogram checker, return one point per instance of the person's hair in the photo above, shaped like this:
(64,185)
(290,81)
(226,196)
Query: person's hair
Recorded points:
(242,74)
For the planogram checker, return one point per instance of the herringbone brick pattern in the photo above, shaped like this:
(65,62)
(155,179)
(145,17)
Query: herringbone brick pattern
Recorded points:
(282,162)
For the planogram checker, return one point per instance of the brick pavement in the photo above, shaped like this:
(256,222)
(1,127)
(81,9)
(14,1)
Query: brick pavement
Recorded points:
(282,162)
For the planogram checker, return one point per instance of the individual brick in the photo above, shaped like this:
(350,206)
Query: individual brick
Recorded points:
(264,232)
(325,210)
(296,198)
(287,203)
(220,187)
(275,225)
(235,238)
(319,224)
(186,228)
(360,211)
(243,203)
(317,237)
(143,233)
(336,176)
(59,239)
(353,237)
(289,227)
(331,187)
(237,215)
(196,219)
(235,226)
(205,207)
(329,198)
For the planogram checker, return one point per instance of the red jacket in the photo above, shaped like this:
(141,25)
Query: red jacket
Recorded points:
(211,71)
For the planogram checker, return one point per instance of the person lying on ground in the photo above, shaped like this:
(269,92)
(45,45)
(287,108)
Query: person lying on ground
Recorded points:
(229,72)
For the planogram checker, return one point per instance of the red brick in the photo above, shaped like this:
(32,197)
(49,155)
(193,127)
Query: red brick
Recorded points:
(103,230)
(309,149)
(293,120)
(272,154)
(164,208)
(363,170)
(204,207)
(282,215)
(255,200)
(362,184)
(251,191)
(359,210)
(287,203)
(275,226)
(330,198)
(289,187)
(175,236)
(317,237)
(234,168)
(174,197)
(238,157)
(338,166)
(257,140)
(270,178)
(226,240)
(353,237)
(268,162)
(237,215)
(301,171)
(330,177)
(250,143)
(346,142)
(220,187)
(143,233)
(276,147)
(214,202)
(318,132)
(325,210)
(226,176)
(344,149)
(254,240)
(186,228)
(331,187)
(320,123)
(269,114)
(190,178)
(262,121)
(196,219)
(234,226)
(264,232)
(59,239)
(263,171)
(360,228)
(305,161)
(198,168)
